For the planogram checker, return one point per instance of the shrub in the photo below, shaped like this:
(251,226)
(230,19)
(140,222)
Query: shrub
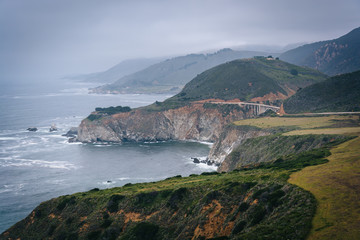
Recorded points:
(113,110)
(212,196)
(143,230)
(294,72)
(258,214)
(113,203)
(243,207)
(93,117)
(176,197)
(209,173)
(177,176)
(93,235)
(146,198)
(239,227)
(64,202)
(106,223)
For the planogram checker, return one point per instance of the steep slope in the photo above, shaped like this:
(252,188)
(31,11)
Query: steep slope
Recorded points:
(256,79)
(256,204)
(341,55)
(191,122)
(172,74)
(337,94)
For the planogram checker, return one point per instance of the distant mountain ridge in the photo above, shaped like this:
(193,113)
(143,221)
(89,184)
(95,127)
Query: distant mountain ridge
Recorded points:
(121,69)
(332,57)
(172,74)
(336,94)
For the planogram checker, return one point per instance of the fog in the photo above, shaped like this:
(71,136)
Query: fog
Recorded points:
(57,38)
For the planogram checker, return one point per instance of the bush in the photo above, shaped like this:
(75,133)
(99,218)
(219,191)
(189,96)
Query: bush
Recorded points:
(209,173)
(294,72)
(239,227)
(143,230)
(93,117)
(243,207)
(177,176)
(258,214)
(94,235)
(113,203)
(64,202)
(106,223)
(212,196)
(146,198)
(113,110)
(275,196)
(176,197)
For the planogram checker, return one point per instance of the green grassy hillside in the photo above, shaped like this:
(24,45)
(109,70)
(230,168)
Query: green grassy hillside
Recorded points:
(332,57)
(253,204)
(337,94)
(248,78)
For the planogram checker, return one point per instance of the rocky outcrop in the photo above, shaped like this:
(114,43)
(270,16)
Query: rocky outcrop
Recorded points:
(71,133)
(193,122)
(231,138)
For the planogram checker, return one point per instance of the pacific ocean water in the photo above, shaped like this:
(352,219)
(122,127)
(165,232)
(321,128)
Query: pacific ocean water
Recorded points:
(38,166)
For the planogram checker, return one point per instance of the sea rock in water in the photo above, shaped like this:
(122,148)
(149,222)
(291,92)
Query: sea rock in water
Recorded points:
(32,129)
(195,160)
(72,140)
(53,128)
(71,133)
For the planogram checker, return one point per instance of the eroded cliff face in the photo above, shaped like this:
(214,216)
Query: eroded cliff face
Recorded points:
(232,137)
(193,122)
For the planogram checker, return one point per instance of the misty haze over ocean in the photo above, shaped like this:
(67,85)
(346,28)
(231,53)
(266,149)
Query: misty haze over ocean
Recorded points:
(37,166)
(42,41)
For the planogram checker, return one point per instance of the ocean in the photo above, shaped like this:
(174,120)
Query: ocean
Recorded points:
(38,166)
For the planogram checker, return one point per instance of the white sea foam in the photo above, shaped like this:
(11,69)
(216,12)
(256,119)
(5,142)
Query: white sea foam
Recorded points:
(202,142)
(108,182)
(8,138)
(146,146)
(38,163)
(206,143)
(123,178)
(102,145)
(11,187)
(206,167)
(72,143)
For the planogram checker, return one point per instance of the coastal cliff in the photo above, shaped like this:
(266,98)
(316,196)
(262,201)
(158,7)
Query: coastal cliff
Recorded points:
(232,137)
(233,205)
(191,122)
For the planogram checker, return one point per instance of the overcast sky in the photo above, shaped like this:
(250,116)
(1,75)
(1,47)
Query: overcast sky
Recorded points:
(42,37)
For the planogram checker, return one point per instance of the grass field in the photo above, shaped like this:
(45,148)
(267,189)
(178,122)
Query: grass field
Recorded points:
(336,186)
(344,131)
(302,122)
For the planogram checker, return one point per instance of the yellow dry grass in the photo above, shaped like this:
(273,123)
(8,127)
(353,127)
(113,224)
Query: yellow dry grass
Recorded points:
(336,186)
(343,131)
(301,122)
